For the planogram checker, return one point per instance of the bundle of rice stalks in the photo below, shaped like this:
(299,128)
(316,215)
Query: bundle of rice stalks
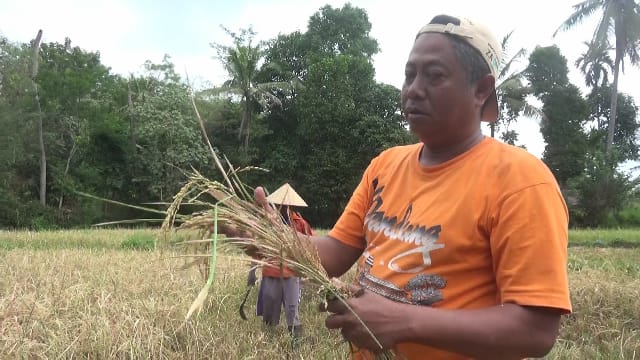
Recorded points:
(276,243)
(230,204)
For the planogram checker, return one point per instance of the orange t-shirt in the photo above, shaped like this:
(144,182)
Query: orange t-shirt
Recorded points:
(487,227)
(302,226)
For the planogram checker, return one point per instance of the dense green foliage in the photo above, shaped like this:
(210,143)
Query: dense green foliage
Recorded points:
(574,129)
(304,105)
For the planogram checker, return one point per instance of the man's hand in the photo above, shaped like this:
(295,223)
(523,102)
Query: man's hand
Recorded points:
(380,315)
(230,231)
(260,196)
(506,331)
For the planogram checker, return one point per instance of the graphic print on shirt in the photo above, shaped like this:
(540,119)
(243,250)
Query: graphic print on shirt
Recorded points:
(423,288)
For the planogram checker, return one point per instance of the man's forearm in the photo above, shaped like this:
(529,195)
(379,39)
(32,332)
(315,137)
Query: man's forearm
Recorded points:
(336,257)
(500,332)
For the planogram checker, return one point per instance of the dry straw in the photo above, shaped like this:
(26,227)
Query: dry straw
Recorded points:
(229,203)
(277,243)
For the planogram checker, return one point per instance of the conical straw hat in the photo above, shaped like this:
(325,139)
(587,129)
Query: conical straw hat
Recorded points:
(285,195)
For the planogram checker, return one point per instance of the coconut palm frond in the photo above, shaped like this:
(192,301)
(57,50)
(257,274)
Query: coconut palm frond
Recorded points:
(532,111)
(581,11)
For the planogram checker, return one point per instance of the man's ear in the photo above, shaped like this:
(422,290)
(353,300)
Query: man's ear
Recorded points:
(484,89)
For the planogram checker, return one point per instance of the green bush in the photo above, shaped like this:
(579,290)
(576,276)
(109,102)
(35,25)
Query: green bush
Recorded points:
(601,193)
(629,217)
(139,242)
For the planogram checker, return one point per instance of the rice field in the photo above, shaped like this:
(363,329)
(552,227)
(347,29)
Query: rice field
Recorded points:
(106,294)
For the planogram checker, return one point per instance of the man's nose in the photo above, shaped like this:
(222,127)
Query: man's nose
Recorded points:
(416,89)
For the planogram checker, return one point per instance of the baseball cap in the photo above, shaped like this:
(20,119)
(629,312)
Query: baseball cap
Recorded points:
(481,39)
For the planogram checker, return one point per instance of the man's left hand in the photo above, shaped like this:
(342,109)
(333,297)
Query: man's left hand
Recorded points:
(381,316)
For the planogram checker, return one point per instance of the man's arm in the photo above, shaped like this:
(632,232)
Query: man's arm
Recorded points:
(507,331)
(336,257)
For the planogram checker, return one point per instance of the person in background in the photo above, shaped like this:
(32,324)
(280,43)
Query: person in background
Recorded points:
(279,286)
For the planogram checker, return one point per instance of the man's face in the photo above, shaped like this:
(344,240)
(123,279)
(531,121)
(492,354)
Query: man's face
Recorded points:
(437,99)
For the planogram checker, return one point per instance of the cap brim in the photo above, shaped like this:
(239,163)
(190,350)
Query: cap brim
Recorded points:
(490,109)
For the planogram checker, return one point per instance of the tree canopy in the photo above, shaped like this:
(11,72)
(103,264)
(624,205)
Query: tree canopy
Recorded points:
(305,106)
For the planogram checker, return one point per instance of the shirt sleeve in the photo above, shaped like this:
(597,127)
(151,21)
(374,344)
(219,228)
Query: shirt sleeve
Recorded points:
(529,239)
(349,229)
(301,225)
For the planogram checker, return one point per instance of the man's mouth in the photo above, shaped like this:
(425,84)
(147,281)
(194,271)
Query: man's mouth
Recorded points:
(414,111)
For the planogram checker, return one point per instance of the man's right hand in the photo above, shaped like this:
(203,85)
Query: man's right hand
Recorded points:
(231,231)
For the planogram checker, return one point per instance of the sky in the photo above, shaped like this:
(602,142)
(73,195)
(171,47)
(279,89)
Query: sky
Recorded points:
(129,32)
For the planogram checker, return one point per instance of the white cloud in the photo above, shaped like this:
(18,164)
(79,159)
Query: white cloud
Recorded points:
(91,25)
(127,35)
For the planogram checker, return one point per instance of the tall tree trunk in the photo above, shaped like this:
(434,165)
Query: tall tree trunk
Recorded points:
(243,120)
(614,101)
(246,132)
(66,170)
(492,126)
(132,125)
(43,154)
(244,126)
(241,131)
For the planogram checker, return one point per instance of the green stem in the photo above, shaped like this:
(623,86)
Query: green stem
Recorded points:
(214,250)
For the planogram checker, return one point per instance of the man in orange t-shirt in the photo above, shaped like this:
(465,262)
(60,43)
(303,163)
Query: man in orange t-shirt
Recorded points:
(460,240)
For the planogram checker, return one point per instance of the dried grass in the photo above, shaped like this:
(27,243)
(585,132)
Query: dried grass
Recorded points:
(120,304)
(230,204)
(103,302)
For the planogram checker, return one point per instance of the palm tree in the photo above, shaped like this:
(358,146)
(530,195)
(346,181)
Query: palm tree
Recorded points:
(595,64)
(242,62)
(622,19)
(511,90)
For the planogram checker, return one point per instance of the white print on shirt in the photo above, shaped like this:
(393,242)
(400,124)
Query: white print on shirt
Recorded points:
(426,238)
